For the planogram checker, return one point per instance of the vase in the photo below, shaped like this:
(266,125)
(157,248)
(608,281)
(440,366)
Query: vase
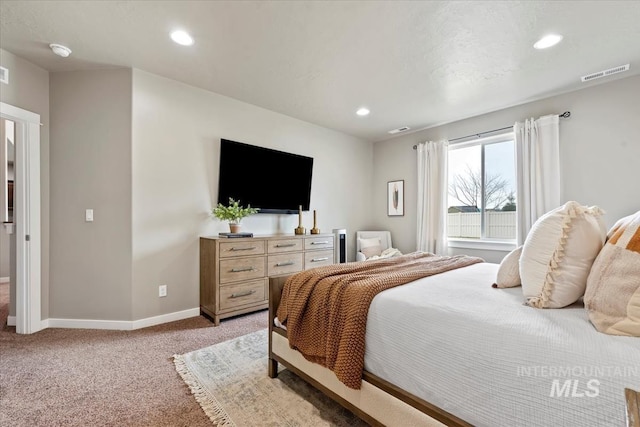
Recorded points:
(234,227)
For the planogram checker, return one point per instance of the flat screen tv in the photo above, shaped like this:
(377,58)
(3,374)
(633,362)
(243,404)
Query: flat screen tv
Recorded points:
(274,181)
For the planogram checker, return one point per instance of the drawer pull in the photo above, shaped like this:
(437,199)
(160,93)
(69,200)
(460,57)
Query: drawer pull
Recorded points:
(243,294)
(240,270)
(320,243)
(285,245)
(243,249)
(282,264)
(320,259)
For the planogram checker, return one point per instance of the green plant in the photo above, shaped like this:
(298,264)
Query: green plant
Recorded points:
(233,212)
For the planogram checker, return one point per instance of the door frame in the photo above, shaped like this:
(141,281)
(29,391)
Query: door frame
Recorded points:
(26,216)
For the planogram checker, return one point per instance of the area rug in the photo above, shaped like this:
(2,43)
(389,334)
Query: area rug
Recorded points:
(230,382)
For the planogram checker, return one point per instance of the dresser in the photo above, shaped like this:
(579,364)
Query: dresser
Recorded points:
(234,272)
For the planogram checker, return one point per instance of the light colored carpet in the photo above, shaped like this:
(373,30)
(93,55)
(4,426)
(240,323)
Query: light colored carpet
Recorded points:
(230,382)
(99,378)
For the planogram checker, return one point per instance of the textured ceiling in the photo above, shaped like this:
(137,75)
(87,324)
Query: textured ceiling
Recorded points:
(415,64)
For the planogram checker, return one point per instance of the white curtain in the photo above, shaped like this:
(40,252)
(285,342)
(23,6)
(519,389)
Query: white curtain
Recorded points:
(537,169)
(432,196)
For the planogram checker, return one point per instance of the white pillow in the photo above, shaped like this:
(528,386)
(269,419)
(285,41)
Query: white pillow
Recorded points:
(509,271)
(558,253)
(370,247)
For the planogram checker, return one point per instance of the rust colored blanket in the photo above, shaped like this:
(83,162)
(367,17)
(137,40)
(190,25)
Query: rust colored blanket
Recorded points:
(325,308)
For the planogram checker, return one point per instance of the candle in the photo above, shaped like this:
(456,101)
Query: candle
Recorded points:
(315,229)
(299,229)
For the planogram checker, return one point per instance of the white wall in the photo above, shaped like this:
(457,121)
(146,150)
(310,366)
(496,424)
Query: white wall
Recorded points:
(175,155)
(600,154)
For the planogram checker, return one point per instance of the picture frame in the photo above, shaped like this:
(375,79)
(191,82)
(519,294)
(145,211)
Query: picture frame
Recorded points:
(395,198)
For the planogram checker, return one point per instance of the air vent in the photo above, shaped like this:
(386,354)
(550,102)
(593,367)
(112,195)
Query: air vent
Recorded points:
(402,129)
(4,75)
(605,73)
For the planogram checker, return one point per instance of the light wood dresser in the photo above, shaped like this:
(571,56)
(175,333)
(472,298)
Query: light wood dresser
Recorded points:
(234,272)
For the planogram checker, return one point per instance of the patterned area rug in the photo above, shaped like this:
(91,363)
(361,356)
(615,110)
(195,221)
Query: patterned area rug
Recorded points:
(230,382)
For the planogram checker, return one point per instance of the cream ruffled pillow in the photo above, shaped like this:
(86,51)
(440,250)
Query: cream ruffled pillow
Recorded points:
(612,298)
(558,253)
(509,271)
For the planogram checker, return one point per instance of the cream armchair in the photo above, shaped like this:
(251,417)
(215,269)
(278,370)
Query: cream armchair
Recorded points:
(368,241)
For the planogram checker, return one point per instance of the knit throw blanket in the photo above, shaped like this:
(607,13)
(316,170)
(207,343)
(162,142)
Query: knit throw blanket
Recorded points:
(325,308)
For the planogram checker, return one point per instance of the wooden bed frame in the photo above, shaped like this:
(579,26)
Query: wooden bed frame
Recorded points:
(633,407)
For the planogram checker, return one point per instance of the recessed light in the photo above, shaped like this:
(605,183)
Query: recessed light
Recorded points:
(60,50)
(362,111)
(182,37)
(548,41)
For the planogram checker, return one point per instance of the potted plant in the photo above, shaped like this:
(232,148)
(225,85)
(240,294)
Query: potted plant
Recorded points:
(233,213)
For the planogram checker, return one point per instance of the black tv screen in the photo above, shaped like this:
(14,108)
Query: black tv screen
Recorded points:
(272,180)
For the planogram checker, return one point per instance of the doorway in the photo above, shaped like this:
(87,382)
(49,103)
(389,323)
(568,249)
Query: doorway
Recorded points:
(25,215)
(7,237)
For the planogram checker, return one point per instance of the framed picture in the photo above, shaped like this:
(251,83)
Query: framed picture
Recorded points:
(395,198)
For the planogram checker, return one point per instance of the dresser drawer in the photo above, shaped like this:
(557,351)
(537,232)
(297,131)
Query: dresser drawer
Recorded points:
(317,259)
(243,248)
(284,245)
(284,263)
(235,269)
(239,294)
(312,243)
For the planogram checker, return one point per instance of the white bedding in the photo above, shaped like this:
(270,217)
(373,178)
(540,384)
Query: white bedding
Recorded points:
(480,354)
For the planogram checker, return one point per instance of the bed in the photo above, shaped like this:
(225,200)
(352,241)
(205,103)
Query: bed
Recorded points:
(449,349)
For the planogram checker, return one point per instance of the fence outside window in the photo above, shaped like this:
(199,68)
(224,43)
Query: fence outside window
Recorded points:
(498,225)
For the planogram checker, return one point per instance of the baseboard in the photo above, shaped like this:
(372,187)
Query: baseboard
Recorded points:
(120,325)
(4,279)
(166,318)
(11,320)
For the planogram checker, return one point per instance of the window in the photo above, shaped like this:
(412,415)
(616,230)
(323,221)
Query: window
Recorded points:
(482,191)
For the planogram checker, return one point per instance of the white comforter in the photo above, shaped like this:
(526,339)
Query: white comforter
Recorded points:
(480,354)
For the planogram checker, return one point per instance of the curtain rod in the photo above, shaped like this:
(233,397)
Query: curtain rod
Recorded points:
(564,115)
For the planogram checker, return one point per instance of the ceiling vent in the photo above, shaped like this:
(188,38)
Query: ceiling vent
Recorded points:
(605,73)
(4,75)
(402,129)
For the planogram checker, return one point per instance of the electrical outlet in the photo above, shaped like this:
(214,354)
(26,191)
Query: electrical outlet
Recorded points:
(162,290)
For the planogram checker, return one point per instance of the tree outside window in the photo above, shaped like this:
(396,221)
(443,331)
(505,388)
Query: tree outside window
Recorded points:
(482,189)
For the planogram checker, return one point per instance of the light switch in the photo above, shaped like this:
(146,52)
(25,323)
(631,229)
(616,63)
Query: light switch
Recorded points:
(88,215)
